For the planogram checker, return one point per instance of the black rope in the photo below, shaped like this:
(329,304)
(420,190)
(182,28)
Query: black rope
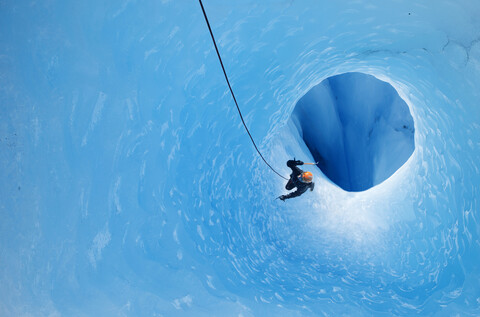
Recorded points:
(233,95)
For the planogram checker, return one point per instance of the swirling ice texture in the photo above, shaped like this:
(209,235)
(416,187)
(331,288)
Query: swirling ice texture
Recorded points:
(130,188)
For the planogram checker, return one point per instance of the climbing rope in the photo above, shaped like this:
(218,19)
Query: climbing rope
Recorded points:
(233,95)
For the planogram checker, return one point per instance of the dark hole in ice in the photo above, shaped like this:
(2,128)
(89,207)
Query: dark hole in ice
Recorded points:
(357,127)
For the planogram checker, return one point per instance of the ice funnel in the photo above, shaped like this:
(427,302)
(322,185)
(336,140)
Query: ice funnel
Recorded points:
(358,128)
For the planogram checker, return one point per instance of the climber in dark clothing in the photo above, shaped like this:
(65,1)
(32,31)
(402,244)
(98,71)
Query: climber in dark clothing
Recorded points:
(299,179)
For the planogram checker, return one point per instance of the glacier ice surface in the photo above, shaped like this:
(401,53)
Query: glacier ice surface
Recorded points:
(130,188)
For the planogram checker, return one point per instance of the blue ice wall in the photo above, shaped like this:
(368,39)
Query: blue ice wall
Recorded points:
(129,187)
(357,128)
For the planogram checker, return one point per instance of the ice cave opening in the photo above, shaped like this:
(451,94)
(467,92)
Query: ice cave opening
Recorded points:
(357,127)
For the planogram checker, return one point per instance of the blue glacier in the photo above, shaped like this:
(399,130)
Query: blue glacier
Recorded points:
(129,186)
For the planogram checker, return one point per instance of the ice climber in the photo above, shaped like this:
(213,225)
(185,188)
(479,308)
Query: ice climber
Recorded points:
(299,179)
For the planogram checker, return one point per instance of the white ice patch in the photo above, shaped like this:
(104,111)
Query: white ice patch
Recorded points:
(184,301)
(200,233)
(100,241)
(84,203)
(209,282)
(175,235)
(115,199)
(96,116)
